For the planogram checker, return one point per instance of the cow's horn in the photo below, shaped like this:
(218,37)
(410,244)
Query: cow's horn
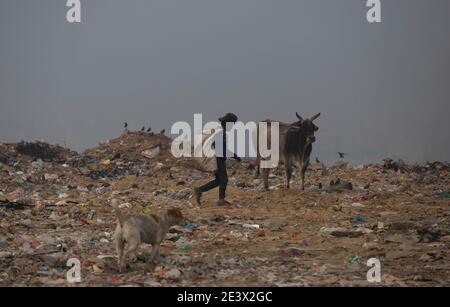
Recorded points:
(298,116)
(315,116)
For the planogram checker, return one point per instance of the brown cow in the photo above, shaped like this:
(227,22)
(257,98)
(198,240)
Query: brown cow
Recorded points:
(295,145)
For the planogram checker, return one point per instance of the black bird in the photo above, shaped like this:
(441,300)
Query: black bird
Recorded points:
(125,125)
(149,129)
(317,160)
(342,154)
(143,128)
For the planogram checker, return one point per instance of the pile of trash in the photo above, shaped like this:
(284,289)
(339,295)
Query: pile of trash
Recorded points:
(133,146)
(11,153)
(42,150)
(133,153)
(55,205)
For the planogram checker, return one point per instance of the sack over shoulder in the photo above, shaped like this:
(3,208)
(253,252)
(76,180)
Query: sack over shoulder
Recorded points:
(204,153)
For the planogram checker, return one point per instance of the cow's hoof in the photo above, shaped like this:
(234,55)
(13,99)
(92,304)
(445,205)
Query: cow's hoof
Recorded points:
(155,261)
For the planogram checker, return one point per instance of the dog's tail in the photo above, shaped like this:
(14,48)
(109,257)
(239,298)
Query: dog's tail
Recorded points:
(120,216)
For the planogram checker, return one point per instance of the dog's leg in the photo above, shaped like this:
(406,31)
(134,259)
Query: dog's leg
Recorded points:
(120,260)
(155,252)
(131,249)
(120,244)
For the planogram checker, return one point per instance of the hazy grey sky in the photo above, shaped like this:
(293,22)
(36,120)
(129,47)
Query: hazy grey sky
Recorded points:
(383,89)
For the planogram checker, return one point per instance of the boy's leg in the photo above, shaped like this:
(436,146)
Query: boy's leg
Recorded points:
(206,187)
(210,185)
(222,178)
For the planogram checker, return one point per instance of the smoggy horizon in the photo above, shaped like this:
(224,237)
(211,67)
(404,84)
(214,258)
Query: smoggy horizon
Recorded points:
(382,88)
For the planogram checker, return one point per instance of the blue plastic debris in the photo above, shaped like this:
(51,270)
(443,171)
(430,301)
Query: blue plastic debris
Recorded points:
(190,226)
(359,219)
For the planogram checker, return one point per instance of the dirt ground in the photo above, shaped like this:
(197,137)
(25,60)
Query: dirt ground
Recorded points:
(56,206)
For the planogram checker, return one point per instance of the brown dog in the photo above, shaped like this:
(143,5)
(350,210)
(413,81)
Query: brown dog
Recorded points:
(132,230)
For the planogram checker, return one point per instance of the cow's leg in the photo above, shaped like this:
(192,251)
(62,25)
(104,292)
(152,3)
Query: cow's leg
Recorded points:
(288,171)
(258,167)
(304,166)
(265,174)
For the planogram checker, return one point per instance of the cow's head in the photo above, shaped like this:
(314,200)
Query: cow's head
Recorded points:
(306,127)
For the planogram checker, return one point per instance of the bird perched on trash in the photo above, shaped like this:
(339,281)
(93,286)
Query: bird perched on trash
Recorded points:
(125,125)
(163,131)
(143,128)
(149,129)
(342,154)
(317,160)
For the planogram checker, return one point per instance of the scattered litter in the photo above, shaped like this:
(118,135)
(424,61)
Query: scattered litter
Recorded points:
(151,153)
(260,233)
(179,194)
(355,259)
(13,205)
(173,274)
(55,204)
(251,226)
(218,218)
(358,205)
(344,232)
(190,226)
(277,227)
(358,219)
(186,246)
(445,195)
(125,206)
(291,252)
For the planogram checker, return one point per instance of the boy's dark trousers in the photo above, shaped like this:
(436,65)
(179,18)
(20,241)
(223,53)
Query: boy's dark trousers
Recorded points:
(221,179)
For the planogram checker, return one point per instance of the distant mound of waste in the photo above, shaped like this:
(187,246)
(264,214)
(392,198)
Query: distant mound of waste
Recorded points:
(133,146)
(11,153)
(44,151)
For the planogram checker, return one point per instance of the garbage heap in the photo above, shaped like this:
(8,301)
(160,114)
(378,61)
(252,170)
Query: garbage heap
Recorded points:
(55,205)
